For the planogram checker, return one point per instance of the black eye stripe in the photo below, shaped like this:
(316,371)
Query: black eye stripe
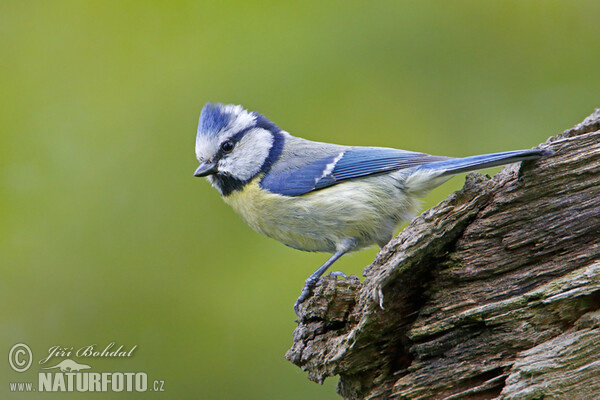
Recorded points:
(261,122)
(234,139)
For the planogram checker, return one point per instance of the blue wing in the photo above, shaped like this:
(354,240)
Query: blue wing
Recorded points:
(353,162)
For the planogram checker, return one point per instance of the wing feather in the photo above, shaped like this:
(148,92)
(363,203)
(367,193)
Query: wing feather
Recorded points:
(351,163)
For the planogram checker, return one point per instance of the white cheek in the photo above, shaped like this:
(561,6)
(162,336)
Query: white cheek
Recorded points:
(249,155)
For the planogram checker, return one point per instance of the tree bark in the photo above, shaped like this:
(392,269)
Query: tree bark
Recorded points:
(492,294)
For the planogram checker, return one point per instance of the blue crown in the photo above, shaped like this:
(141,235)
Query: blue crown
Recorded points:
(213,119)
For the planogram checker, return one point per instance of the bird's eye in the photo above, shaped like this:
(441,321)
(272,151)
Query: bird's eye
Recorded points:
(227,146)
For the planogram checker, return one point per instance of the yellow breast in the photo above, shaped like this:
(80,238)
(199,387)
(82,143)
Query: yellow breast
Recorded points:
(323,219)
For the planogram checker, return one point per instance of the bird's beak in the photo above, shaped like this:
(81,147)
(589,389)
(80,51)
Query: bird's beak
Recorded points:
(206,168)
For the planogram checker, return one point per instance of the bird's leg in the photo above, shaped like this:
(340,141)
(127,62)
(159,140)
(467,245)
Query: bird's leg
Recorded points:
(313,279)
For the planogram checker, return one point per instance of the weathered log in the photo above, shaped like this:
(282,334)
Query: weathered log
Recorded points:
(493,293)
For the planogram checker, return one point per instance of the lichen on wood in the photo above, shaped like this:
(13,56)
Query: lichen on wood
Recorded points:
(493,293)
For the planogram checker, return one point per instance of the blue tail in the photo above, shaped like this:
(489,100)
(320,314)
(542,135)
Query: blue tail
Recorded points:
(459,165)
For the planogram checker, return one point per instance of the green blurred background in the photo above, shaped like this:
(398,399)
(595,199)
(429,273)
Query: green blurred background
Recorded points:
(106,236)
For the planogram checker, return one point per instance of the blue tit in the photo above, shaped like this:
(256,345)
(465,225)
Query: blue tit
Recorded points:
(319,196)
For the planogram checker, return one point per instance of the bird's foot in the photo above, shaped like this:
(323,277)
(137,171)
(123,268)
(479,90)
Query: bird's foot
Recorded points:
(311,284)
(337,274)
(313,279)
(307,290)
(334,274)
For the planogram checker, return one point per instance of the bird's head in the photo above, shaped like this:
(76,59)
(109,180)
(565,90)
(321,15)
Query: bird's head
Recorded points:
(234,145)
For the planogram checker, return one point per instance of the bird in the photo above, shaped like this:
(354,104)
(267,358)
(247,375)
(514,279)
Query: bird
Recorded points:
(315,196)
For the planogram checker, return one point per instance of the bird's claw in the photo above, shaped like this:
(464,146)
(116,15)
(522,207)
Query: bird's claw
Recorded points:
(309,286)
(307,290)
(337,274)
(313,279)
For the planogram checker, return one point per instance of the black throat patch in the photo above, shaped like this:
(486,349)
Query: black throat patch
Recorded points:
(227,184)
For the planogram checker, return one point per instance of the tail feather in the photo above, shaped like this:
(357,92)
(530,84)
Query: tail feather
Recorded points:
(460,165)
